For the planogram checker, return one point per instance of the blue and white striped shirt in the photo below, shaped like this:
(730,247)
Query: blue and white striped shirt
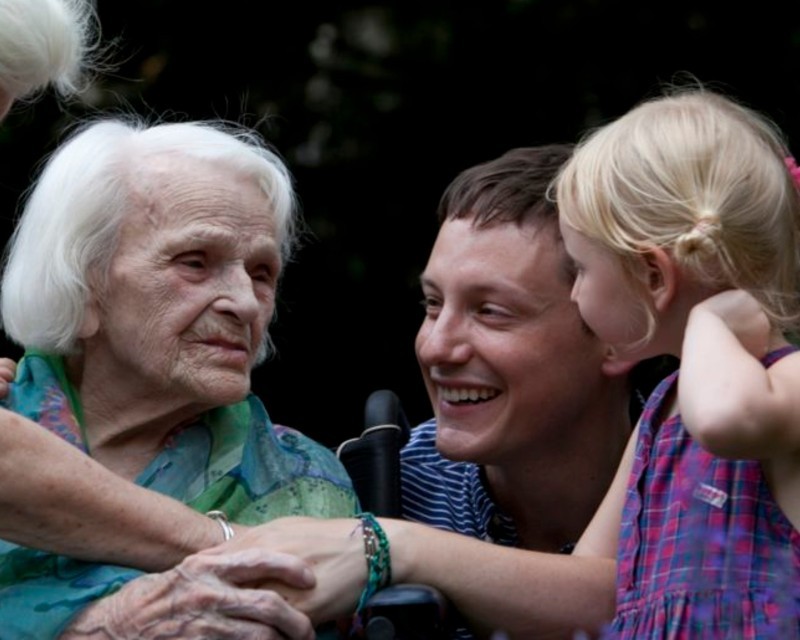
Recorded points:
(449,495)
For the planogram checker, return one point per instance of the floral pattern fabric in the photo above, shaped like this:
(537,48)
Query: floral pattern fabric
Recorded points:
(232,458)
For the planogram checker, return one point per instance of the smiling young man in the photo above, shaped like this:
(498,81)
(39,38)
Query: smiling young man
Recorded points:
(532,410)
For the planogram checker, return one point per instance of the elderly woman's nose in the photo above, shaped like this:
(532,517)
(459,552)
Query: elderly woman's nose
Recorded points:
(237,294)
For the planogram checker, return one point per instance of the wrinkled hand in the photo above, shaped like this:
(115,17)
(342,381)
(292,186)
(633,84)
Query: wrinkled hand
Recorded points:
(201,598)
(744,317)
(8,371)
(334,548)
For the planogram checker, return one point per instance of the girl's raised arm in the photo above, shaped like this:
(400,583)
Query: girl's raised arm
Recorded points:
(730,402)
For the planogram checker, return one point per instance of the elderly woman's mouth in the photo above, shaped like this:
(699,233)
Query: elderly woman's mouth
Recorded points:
(228,349)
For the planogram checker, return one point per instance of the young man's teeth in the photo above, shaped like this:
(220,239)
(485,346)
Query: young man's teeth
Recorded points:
(466,395)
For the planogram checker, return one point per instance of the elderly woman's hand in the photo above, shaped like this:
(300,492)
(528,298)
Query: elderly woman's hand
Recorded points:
(203,597)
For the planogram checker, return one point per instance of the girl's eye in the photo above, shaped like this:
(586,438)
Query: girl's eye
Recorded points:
(430,304)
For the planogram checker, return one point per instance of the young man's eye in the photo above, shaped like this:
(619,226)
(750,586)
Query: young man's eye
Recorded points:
(491,310)
(572,269)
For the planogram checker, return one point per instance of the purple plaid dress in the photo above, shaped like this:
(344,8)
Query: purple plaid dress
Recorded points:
(705,551)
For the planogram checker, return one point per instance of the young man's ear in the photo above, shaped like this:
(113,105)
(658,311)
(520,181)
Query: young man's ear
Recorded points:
(660,276)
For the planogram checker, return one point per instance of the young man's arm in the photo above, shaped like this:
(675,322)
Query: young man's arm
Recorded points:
(55,498)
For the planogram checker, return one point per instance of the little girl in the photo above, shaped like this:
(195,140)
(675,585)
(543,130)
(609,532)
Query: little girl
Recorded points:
(682,218)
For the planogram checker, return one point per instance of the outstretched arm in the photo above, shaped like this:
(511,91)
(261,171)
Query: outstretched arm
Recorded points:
(730,403)
(55,498)
(524,593)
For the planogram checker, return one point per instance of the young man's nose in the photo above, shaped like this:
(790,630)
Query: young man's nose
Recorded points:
(443,339)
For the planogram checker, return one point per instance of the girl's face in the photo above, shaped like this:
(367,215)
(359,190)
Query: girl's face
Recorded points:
(603,293)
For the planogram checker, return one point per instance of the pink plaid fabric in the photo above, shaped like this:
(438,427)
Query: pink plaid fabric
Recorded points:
(705,551)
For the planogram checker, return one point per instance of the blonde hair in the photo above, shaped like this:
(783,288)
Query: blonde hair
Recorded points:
(700,175)
(47,42)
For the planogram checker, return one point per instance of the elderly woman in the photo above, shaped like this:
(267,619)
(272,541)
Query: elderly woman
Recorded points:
(141,280)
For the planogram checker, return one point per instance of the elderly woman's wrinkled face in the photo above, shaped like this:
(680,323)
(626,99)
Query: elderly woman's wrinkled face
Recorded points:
(191,288)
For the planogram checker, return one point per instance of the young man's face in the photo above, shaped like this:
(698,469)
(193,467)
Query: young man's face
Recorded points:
(506,359)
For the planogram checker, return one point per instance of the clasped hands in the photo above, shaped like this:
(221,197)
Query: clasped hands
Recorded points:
(265,583)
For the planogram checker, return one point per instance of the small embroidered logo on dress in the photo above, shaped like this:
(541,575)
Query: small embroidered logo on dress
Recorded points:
(711,495)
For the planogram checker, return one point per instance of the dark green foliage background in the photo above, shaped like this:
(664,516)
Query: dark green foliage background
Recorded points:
(376,107)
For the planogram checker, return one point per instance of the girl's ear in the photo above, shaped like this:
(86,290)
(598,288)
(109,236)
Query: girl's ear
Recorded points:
(661,277)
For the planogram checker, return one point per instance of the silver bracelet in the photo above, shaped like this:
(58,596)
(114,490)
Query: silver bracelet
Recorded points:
(222,520)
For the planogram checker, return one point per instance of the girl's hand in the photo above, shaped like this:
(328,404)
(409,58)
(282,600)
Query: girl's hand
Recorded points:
(744,317)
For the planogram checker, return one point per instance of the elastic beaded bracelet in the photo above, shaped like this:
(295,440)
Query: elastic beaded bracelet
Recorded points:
(222,521)
(379,560)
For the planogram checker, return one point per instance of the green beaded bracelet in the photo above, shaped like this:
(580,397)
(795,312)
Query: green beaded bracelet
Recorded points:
(379,560)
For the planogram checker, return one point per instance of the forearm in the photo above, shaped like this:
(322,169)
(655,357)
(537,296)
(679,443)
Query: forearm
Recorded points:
(55,498)
(725,392)
(523,593)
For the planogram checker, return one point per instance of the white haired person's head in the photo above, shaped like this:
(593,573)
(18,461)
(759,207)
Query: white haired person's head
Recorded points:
(46,43)
(70,224)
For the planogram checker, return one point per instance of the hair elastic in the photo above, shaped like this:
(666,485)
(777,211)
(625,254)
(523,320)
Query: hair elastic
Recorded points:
(794,170)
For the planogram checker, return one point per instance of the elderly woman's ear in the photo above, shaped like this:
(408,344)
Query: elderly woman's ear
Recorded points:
(91,320)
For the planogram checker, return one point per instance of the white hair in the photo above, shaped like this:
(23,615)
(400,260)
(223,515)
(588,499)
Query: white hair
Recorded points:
(74,211)
(46,42)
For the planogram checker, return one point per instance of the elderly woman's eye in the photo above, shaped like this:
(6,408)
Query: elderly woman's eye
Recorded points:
(262,274)
(192,260)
